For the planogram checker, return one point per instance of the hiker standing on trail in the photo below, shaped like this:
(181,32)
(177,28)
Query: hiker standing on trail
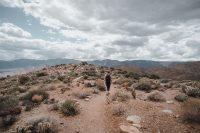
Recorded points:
(107,81)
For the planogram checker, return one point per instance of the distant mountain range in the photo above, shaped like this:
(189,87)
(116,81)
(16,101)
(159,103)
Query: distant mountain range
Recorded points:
(22,63)
(165,69)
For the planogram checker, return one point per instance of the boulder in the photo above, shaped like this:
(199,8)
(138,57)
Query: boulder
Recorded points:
(37,98)
(134,119)
(128,129)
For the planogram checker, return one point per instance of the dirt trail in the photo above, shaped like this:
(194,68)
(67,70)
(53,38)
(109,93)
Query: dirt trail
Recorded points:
(93,115)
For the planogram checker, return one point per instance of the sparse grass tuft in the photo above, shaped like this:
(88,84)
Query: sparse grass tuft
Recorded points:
(119,110)
(8,102)
(69,108)
(144,86)
(39,124)
(82,94)
(191,110)
(156,97)
(120,96)
(181,97)
(195,92)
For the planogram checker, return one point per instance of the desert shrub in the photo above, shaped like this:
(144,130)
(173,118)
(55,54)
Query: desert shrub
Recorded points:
(30,94)
(156,96)
(82,94)
(195,92)
(48,88)
(54,107)
(100,85)
(181,97)
(89,73)
(154,76)
(2,78)
(83,63)
(118,110)
(132,75)
(120,96)
(23,79)
(88,85)
(8,102)
(41,74)
(28,105)
(191,110)
(20,89)
(144,87)
(69,108)
(7,120)
(164,80)
(39,124)
(61,78)
(72,74)
(66,80)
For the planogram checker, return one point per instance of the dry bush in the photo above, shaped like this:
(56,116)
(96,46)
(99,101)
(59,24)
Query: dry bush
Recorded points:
(48,88)
(41,74)
(82,94)
(191,110)
(181,97)
(144,87)
(39,124)
(69,108)
(8,102)
(100,84)
(30,94)
(120,96)
(118,110)
(156,96)
(7,121)
(23,79)
(194,92)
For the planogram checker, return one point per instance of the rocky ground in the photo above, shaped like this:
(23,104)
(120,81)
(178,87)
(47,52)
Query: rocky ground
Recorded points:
(71,98)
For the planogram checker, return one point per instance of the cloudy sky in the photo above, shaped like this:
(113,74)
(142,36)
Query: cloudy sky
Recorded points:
(100,29)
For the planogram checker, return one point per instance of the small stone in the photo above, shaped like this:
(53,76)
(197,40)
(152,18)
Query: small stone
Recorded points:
(87,99)
(167,111)
(137,125)
(177,116)
(170,102)
(128,129)
(134,119)
(37,98)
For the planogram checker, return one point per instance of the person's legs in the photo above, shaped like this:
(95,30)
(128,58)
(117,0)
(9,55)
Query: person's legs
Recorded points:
(108,88)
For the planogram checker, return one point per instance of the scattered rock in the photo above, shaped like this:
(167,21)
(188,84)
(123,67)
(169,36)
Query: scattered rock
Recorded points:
(167,111)
(128,129)
(87,99)
(170,102)
(134,119)
(137,125)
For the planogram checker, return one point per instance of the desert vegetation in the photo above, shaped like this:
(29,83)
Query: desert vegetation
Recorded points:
(73,97)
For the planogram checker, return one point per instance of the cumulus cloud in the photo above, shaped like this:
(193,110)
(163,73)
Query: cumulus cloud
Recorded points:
(13,30)
(114,29)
